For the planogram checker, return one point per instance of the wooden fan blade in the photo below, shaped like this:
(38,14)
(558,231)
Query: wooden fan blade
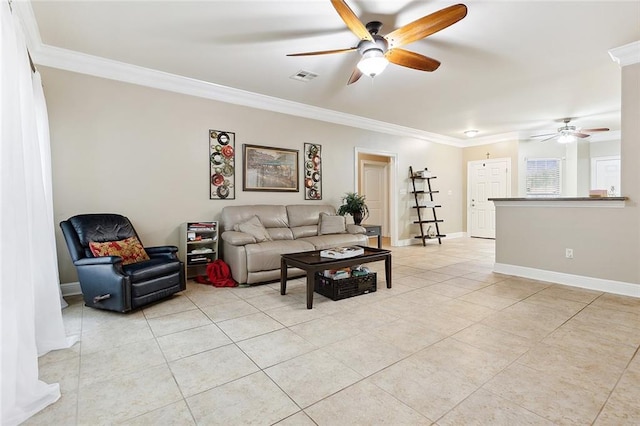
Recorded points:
(579,135)
(599,129)
(324,52)
(426,25)
(352,21)
(413,60)
(355,76)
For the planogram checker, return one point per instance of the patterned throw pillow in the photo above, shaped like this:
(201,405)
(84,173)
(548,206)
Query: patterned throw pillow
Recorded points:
(129,249)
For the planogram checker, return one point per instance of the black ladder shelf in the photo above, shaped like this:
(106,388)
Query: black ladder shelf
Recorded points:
(420,206)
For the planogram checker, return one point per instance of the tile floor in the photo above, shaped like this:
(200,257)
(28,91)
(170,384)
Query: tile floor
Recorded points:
(451,344)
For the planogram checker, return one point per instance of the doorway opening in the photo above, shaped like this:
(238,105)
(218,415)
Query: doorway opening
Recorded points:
(375,178)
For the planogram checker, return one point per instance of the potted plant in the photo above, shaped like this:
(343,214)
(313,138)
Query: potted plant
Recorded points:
(353,204)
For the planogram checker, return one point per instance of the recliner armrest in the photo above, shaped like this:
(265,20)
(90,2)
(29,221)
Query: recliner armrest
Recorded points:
(355,229)
(161,250)
(101,260)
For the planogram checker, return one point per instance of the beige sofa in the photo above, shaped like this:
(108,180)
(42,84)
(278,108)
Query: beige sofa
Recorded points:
(289,229)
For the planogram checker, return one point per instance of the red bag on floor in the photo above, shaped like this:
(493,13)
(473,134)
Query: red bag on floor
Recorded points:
(219,274)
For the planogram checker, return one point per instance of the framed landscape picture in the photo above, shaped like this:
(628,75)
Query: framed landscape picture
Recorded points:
(269,169)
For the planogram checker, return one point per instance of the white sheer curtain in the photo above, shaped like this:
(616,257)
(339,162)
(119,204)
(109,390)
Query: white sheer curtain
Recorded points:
(31,318)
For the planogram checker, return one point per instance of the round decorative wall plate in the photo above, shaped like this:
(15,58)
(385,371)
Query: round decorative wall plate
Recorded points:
(223,191)
(217,179)
(227,151)
(223,138)
(216,158)
(227,170)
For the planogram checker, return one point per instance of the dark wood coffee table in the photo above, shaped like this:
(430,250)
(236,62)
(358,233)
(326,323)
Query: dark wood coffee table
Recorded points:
(311,262)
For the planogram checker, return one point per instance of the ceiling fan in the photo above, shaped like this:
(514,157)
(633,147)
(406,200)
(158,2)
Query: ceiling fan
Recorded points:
(377,51)
(567,133)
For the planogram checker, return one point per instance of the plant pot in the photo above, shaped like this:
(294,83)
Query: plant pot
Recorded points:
(357,218)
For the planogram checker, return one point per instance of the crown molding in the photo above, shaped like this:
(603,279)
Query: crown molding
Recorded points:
(69,60)
(628,54)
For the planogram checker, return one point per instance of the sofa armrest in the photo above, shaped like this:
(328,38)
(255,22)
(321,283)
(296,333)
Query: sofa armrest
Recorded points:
(237,238)
(355,229)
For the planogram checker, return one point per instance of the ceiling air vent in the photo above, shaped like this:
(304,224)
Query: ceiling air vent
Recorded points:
(303,75)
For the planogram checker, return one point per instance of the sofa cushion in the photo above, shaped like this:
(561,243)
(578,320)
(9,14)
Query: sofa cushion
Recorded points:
(304,231)
(331,224)
(154,268)
(322,242)
(280,233)
(305,214)
(130,250)
(266,256)
(271,216)
(253,227)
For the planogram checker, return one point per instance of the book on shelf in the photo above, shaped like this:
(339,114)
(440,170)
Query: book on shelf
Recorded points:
(342,252)
(200,226)
(199,239)
(205,250)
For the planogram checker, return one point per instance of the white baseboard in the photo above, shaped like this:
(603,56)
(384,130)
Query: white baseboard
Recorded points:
(590,283)
(70,289)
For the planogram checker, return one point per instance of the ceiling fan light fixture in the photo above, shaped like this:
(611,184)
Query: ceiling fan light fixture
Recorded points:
(566,139)
(373,62)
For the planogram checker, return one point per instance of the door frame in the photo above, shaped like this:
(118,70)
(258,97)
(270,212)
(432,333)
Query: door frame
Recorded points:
(385,167)
(470,164)
(392,187)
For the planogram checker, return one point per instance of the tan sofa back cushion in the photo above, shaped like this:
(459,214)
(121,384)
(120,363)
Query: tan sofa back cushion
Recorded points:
(271,216)
(305,214)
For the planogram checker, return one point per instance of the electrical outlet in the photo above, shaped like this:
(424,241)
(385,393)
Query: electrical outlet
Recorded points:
(568,253)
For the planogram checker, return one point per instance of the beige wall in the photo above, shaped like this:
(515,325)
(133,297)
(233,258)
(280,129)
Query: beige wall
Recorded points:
(606,241)
(507,149)
(143,153)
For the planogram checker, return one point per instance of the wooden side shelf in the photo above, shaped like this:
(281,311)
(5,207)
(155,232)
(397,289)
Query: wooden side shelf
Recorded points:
(422,202)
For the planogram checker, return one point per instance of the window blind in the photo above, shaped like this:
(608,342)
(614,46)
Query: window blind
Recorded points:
(543,176)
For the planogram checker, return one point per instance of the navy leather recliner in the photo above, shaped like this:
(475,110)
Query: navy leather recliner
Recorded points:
(108,284)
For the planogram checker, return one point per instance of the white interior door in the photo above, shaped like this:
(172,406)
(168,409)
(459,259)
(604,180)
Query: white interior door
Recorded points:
(375,188)
(487,179)
(605,174)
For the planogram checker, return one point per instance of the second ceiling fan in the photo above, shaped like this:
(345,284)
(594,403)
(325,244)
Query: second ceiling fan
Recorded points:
(569,133)
(377,51)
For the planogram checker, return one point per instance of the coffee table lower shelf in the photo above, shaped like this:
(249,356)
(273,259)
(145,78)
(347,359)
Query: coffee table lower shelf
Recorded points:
(311,262)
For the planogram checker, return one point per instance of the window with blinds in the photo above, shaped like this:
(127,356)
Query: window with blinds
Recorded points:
(543,177)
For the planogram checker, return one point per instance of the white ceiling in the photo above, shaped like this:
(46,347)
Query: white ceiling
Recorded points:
(515,66)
